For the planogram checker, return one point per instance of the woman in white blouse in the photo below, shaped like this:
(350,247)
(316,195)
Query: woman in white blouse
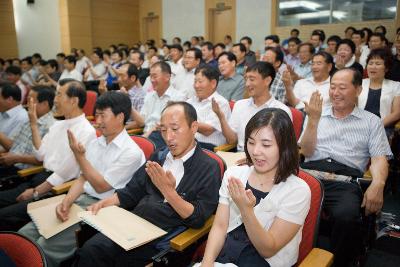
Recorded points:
(379,95)
(263,205)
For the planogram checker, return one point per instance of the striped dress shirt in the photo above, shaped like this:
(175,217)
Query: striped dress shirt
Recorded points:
(352,140)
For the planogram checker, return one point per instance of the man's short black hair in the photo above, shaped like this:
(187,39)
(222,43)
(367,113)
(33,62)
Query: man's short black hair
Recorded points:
(334,38)
(27,60)
(348,42)
(197,53)
(228,37)
(132,70)
(295,40)
(320,33)
(209,45)
(117,102)
(71,59)
(60,55)
(164,66)
(153,48)
(241,46)
(311,48)
(378,34)
(211,73)
(176,46)
(265,69)
(178,39)
(10,90)
(37,55)
(53,63)
(359,32)
(188,109)
(99,53)
(141,55)
(14,70)
(278,53)
(248,39)
(220,45)
(383,28)
(229,55)
(75,89)
(45,93)
(273,37)
(296,31)
(328,57)
(350,28)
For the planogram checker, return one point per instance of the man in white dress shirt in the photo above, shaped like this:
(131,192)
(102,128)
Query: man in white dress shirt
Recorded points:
(53,150)
(209,133)
(154,102)
(258,80)
(70,72)
(184,82)
(107,163)
(321,66)
(176,62)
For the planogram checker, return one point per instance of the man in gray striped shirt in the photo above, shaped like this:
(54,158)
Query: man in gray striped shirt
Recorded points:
(344,135)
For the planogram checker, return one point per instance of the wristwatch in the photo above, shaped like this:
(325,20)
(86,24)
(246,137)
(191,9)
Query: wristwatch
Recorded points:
(35,194)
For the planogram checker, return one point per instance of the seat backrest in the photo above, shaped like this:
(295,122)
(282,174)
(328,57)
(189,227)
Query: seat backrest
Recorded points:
(91,98)
(311,224)
(145,144)
(22,251)
(221,162)
(298,118)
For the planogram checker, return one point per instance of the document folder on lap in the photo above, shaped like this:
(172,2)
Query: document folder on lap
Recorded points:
(123,227)
(43,214)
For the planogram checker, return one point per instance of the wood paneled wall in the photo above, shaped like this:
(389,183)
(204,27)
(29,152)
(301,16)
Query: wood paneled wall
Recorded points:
(8,36)
(155,7)
(114,21)
(209,4)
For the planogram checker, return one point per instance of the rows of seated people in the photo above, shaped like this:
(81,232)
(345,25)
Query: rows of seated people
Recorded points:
(182,96)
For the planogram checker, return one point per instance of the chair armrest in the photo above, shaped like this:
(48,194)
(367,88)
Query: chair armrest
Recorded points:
(29,171)
(224,147)
(62,188)
(188,237)
(368,175)
(397,125)
(135,131)
(317,257)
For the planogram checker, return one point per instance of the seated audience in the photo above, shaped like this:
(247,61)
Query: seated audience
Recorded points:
(345,57)
(218,49)
(18,148)
(380,96)
(49,74)
(231,83)
(332,44)
(14,76)
(112,66)
(258,80)
(294,33)
(154,102)
(394,73)
(207,50)
(82,61)
(137,59)
(29,71)
(228,43)
(317,39)
(58,159)
(70,72)
(274,55)
(239,50)
(60,57)
(95,72)
(184,82)
(250,57)
(348,32)
(263,205)
(357,38)
(209,132)
(176,62)
(13,115)
(357,137)
(180,169)
(292,58)
(303,70)
(300,93)
(107,163)
(271,41)
(375,41)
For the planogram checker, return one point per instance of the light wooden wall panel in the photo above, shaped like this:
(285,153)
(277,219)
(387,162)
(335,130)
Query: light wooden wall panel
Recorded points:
(8,36)
(115,21)
(209,4)
(146,6)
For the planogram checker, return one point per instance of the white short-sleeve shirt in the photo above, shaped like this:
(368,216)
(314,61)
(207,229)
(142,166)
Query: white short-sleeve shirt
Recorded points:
(304,88)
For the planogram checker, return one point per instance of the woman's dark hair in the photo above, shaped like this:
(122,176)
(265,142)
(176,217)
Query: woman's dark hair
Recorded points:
(381,53)
(117,102)
(282,127)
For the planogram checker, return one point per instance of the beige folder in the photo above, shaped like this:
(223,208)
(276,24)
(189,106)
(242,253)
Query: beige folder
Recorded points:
(43,214)
(123,227)
(231,158)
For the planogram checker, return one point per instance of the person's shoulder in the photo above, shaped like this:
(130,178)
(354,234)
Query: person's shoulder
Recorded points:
(295,183)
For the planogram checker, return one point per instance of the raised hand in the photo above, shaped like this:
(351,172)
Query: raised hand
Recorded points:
(216,108)
(32,111)
(163,180)
(243,198)
(314,107)
(77,148)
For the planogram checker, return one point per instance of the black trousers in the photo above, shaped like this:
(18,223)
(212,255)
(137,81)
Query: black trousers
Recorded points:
(102,251)
(6,171)
(13,214)
(342,203)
